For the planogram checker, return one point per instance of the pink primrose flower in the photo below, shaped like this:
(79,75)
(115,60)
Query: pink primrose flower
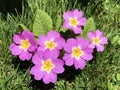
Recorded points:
(47,66)
(23,45)
(77,52)
(52,41)
(74,20)
(97,40)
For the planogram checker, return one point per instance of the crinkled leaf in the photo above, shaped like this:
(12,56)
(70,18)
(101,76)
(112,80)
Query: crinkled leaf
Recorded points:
(62,29)
(42,23)
(118,76)
(118,41)
(110,6)
(115,40)
(109,85)
(116,87)
(22,27)
(58,22)
(58,25)
(90,26)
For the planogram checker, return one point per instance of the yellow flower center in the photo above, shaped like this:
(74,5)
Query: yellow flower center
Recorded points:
(74,22)
(25,44)
(50,44)
(77,52)
(96,40)
(47,65)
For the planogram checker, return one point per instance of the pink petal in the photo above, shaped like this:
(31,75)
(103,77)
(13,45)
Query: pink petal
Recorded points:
(41,40)
(100,48)
(53,34)
(87,56)
(72,42)
(46,79)
(58,69)
(25,56)
(91,35)
(77,13)
(50,77)
(82,63)
(82,21)
(37,59)
(32,48)
(41,49)
(67,25)
(35,69)
(99,33)
(66,56)
(17,38)
(60,42)
(76,64)
(82,42)
(28,34)
(58,62)
(79,64)
(104,40)
(77,30)
(68,48)
(88,50)
(38,74)
(12,46)
(51,54)
(16,50)
(69,61)
(67,15)
(53,77)
(92,46)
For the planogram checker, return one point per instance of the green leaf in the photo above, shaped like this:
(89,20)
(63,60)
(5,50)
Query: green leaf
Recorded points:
(22,27)
(118,41)
(62,29)
(118,76)
(90,26)
(58,22)
(42,23)
(115,88)
(110,86)
(115,40)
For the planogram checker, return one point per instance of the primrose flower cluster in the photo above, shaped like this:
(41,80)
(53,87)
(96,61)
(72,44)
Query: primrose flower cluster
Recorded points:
(45,52)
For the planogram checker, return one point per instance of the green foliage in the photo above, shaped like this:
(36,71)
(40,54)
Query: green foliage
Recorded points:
(90,26)
(108,5)
(116,40)
(22,27)
(101,73)
(58,23)
(118,76)
(42,23)
(114,84)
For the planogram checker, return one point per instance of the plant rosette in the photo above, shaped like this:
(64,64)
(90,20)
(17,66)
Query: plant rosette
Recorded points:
(46,50)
